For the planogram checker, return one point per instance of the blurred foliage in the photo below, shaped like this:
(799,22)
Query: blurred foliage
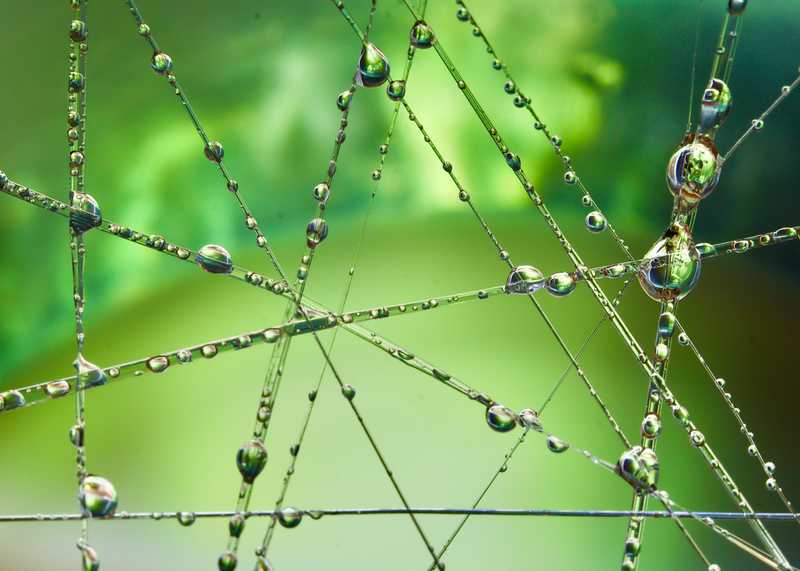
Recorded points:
(611,77)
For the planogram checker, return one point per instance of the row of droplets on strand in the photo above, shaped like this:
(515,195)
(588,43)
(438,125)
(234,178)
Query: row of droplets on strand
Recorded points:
(514,162)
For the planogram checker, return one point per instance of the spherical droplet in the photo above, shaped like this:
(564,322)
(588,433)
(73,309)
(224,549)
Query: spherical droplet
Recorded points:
(214,259)
(500,418)
(639,467)
(715,105)
(186,518)
(158,364)
(693,172)
(671,268)
(214,151)
(529,418)
(570,177)
(651,426)
(561,284)
(78,31)
(349,392)
(251,459)
(555,444)
(343,100)
(208,351)
(321,192)
(683,339)
(736,7)
(162,63)
(289,517)
(316,232)
(227,561)
(421,35)
(75,82)
(595,221)
(85,213)
(769,467)
(462,14)
(772,484)
(373,67)
(396,89)
(524,279)
(90,560)
(98,497)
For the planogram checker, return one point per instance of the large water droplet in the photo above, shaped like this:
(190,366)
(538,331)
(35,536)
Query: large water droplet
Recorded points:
(500,418)
(227,561)
(85,213)
(693,172)
(10,400)
(90,560)
(186,518)
(158,364)
(289,517)
(373,67)
(236,525)
(421,35)
(162,63)
(316,232)
(639,467)
(524,279)
(396,89)
(671,268)
(98,497)
(715,105)
(262,564)
(737,7)
(555,444)
(214,259)
(561,284)
(56,389)
(651,426)
(89,374)
(529,418)
(595,221)
(251,459)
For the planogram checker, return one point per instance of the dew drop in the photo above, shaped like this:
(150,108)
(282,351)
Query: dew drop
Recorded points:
(161,63)
(529,418)
(227,561)
(89,374)
(595,221)
(373,67)
(343,100)
(671,268)
(158,364)
(214,259)
(316,232)
(421,35)
(186,518)
(561,284)
(500,418)
(85,213)
(90,560)
(251,459)
(524,279)
(639,467)
(56,389)
(208,351)
(555,444)
(349,392)
(289,517)
(98,497)
(396,89)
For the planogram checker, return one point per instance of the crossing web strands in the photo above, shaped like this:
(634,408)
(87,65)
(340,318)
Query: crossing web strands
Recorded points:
(667,274)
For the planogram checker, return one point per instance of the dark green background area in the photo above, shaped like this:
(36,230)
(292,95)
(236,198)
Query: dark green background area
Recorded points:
(610,77)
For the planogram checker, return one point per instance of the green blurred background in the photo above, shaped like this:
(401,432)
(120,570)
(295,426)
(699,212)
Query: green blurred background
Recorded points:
(611,77)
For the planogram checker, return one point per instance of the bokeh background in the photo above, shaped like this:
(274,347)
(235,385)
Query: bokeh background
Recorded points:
(611,77)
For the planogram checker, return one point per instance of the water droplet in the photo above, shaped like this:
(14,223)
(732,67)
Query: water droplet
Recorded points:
(214,259)
(396,89)
(89,374)
(321,192)
(144,30)
(555,444)
(186,518)
(500,418)
(683,339)
(251,459)
(772,484)
(784,234)
(162,63)
(184,356)
(421,35)
(561,284)
(373,67)
(98,497)
(11,399)
(289,517)
(343,100)
(666,324)
(462,14)
(272,335)
(671,267)
(262,564)
(316,232)
(758,124)
(78,31)
(56,389)
(214,151)
(208,351)
(769,467)
(85,213)
(349,392)
(227,561)
(735,8)
(570,177)
(715,105)
(524,279)
(697,438)
(76,436)
(236,525)
(595,221)
(529,418)
(158,364)
(651,426)
(76,82)
(693,172)
(639,467)
(90,560)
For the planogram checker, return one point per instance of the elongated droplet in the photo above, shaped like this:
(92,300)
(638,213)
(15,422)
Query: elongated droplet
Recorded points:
(373,67)
(214,259)
(524,279)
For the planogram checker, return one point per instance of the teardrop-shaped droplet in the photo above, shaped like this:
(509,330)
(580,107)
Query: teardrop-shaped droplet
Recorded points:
(396,89)
(524,279)
(671,268)
(555,444)
(98,497)
(236,525)
(343,100)
(214,151)
(316,232)
(715,105)
(251,459)
(421,35)
(214,259)
(90,560)
(500,418)
(373,67)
